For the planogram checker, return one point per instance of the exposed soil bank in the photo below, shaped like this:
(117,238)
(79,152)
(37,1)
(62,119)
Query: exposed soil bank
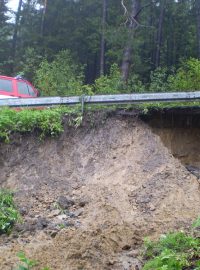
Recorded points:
(179,130)
(118,182)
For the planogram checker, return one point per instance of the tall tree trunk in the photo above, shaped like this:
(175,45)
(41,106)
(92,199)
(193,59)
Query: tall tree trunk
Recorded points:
(159,33)
(127,55)
(102,57)
(15,34)
(198,24)
(43,17)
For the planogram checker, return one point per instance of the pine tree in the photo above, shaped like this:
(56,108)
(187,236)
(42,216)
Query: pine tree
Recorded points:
(4,37)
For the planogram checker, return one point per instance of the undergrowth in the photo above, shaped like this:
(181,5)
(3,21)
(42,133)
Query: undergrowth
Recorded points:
(8,212)
(174,251)
(47,122)
(26,263)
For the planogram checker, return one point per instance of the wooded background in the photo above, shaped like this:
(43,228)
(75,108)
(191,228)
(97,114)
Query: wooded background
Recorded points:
(142,38)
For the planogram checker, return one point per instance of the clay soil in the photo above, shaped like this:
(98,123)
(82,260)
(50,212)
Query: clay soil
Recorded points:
(89,197)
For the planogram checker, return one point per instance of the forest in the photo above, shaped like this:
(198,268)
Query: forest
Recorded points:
(74,47)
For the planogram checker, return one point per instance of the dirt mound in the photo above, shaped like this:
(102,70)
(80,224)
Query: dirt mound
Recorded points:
(90,197)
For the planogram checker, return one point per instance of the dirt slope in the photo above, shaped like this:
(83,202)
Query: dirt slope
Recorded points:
(117,183)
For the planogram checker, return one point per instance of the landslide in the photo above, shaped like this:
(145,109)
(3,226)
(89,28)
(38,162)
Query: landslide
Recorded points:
(89,197)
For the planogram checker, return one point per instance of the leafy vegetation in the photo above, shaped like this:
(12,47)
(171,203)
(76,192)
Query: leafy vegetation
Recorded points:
(109,84)
(187,76)
(174,251)
(56,79)
(59,77)
(46,122)
(8,212)
(27,264)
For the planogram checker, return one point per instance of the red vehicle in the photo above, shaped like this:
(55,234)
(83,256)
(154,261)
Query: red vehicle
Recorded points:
(16,88)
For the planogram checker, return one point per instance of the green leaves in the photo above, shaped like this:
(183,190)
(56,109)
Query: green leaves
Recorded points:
(187,77)
(174,251)
(47,122)
(60,77)
(8,212)
(27,263)
(110,84)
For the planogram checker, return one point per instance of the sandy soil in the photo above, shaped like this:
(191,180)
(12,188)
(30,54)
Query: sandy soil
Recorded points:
(90,197)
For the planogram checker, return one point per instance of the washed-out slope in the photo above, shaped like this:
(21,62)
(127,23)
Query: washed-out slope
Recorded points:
(125,185)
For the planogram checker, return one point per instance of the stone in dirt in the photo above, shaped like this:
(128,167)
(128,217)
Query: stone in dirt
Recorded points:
(54,213)
(65,202)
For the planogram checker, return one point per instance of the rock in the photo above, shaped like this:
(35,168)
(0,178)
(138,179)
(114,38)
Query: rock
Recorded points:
(194,170)
(82,203)
(126,247)
(133,253)
(69,223)
(111,262)
(65,202)
(71,214)
(53,233)
(42,223)
(152,207)
(54,213)
(23,211)
(78,213)
(62,217)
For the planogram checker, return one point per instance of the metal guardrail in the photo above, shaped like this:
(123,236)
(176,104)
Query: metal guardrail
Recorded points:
(102,99)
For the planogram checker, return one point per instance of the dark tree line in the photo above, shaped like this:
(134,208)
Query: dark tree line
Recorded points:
(139,36)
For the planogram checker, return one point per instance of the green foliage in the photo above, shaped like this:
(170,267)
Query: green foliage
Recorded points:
(60,77)
(158,80)
(109,84)
(27,263)
(174,251)
(187,77)
(8,212)
(47,122)
(135,85)
(29,63)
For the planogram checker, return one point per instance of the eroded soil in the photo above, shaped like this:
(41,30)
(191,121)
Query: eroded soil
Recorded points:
(90,197)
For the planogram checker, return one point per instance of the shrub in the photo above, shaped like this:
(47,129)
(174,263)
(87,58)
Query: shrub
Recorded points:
(60,77)
(187,77)
(159,80)
(46,122)
(8,212)
(135,85)
(109,84)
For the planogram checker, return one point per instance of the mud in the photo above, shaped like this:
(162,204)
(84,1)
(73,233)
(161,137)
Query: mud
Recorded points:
(89,197)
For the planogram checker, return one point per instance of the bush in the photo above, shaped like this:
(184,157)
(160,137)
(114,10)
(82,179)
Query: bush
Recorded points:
(60,77)
(135,85)
(159,80)
(187,77)
(8,212)
(45,122)
(109,84)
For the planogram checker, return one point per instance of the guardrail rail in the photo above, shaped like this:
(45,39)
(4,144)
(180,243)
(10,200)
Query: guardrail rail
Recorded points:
(102,99)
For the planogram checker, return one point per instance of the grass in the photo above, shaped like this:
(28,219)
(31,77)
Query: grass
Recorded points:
(174,251)
(8,212)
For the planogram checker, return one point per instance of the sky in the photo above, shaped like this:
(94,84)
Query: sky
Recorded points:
(13,4)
